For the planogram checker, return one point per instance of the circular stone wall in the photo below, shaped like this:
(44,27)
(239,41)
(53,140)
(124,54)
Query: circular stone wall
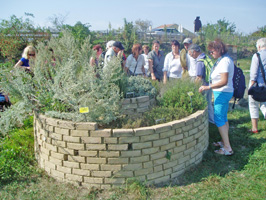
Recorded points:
(82,154)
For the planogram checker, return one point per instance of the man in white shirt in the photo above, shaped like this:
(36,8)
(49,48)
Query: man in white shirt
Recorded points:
(190,61)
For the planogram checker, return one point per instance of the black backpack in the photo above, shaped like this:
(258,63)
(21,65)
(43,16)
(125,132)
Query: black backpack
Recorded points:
(239,84)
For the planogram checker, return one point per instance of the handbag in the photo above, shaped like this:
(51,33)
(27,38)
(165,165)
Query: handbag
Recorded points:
(257,92)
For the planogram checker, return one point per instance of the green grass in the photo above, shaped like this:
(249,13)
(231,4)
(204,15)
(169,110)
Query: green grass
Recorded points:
(241,176)
(244,63)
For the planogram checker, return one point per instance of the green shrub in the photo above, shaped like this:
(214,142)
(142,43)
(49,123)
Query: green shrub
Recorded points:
(140,86)
(160,115)
(16,153)
(62,83)
(175,94)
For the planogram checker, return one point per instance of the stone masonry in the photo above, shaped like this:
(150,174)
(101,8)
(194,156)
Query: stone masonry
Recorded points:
(84,155)
(137,106)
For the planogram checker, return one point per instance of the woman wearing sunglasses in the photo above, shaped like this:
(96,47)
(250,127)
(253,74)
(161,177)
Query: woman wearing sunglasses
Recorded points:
(28,53)
(222,85)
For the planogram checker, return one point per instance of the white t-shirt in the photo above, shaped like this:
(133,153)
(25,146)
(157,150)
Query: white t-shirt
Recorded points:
(172,66)
(226,65)
(131,64)
(191,63)
(146,66)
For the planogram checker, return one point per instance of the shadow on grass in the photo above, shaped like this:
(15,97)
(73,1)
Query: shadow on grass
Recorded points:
(243,143)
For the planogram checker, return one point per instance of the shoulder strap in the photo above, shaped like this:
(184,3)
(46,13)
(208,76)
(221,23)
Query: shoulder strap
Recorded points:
(261,67)
(135,67)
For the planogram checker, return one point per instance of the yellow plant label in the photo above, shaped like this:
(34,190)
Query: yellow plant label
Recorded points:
(190,94)
(84,109)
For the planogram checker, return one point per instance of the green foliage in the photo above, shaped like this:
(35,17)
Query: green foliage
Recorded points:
(13,37)
(79,31)
(128,36)
(260,33)
(63,82)
(140,86)
(159,115)
(175,95)
(16,153)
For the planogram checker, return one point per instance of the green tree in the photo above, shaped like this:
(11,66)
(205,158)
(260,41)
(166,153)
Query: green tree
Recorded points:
(261,32)
(128,36)
(15,34)
(143,25)
(79,31)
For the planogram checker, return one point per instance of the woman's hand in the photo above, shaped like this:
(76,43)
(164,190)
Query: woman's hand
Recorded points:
(203,88)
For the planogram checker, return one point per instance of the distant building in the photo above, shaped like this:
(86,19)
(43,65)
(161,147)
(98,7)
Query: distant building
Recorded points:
(180,28)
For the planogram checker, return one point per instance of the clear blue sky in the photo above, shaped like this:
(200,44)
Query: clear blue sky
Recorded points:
(247,15)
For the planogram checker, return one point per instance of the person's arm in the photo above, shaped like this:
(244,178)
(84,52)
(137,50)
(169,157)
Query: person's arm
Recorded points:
(221,83)
(19,63)
(165,77)
(198,79)
(254,70)
(92,61)
(151,69)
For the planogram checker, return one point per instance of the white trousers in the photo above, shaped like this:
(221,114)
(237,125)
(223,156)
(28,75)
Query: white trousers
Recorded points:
(254,107)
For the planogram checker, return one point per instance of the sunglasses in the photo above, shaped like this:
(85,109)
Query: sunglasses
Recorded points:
(211,52)
(31,54)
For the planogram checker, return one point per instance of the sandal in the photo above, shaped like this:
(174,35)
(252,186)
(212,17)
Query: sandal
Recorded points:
(218,144)
(251,131)
(222,151)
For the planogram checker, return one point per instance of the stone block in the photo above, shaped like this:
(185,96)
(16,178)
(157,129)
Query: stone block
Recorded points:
(66,124)
(108,154)
(101,133)
(81,172)
(118,160)
(143,172)
(130,139)
(57,174)
(71,139)
(62,131)
(133,153)
(117,181)
(59,156)
(142,145)
(112,140)
(91,140)
(162,128)
(150,151)
(106,167)
(93,180)
(90,166)
(96,146)
(151,137)
(73,177)
(160,142)
(143,99)
(66,170)
(96,160)
(86,126)
(123,132)
(132,167)
(87,153)
(140,159)
(71,164)
(169,146)
(125,174)
(76,146)
(144,131)
(101,173)
(79,133)
(78,159)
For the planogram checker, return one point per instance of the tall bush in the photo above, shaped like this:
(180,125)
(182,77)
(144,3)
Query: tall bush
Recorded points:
(62,83)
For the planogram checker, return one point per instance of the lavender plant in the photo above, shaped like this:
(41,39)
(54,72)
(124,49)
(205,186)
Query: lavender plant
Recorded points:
(62,81)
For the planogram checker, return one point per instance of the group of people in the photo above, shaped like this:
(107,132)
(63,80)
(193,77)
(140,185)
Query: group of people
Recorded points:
(216,79)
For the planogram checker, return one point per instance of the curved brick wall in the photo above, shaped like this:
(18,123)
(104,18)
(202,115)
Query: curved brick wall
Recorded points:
(85,155)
